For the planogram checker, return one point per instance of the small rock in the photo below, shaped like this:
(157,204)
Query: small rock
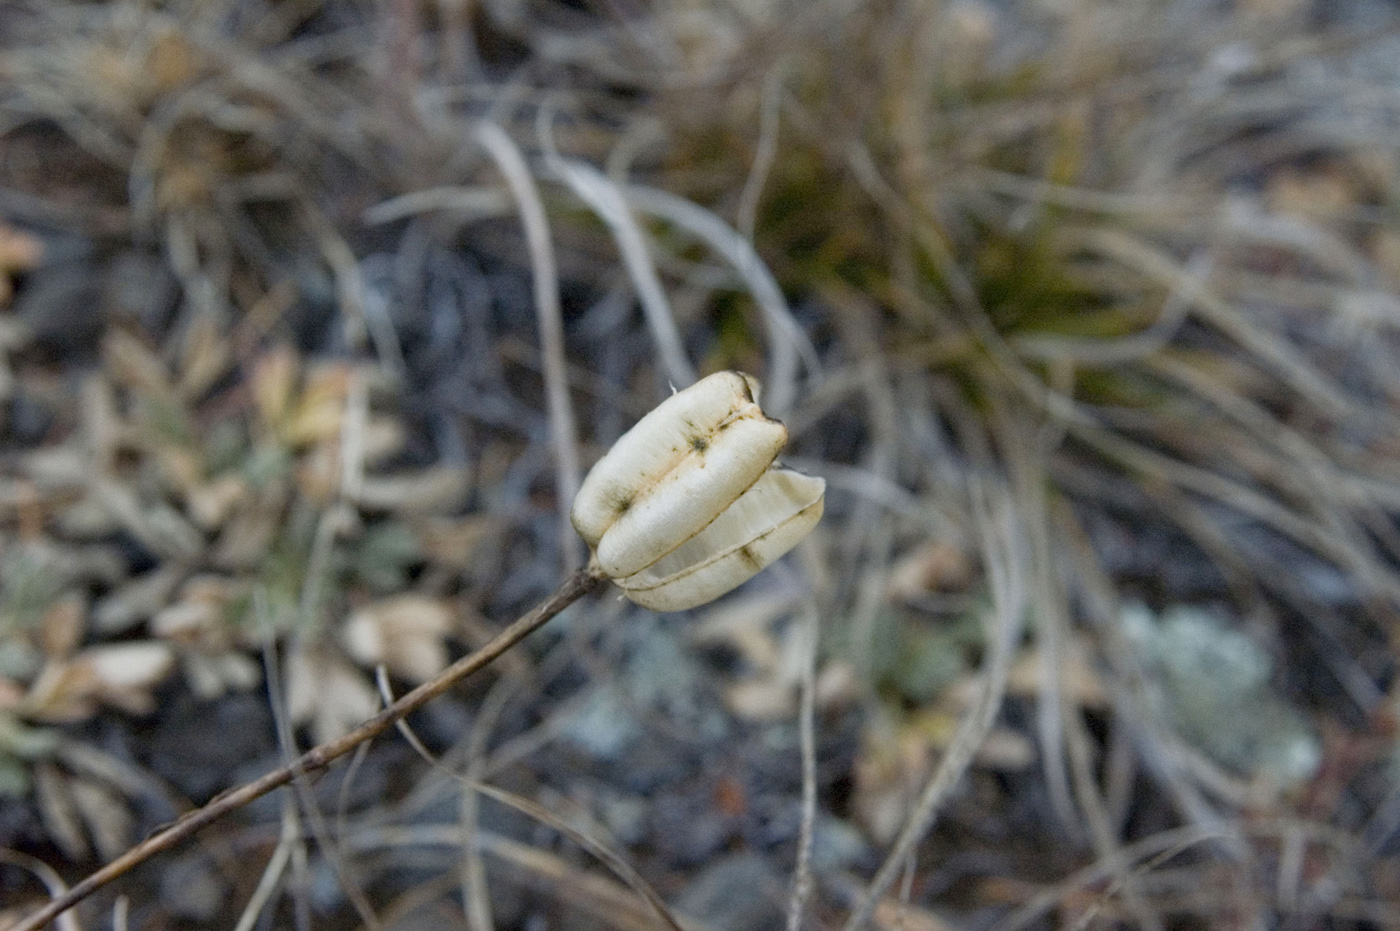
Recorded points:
(59,306)
(201,743)
(191,889)
(836,845)
(687,828)
(739,892)
(138,287)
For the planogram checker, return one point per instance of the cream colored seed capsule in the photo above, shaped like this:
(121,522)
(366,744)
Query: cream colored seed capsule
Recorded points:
(769,519)
(685,506)
(656,445)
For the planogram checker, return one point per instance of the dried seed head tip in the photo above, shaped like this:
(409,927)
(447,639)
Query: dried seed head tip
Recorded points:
(686,505)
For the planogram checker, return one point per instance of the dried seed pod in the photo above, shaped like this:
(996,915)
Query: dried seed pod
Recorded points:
(684,507)
(764,523)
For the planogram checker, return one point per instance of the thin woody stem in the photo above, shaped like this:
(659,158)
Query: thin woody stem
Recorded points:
(319,757)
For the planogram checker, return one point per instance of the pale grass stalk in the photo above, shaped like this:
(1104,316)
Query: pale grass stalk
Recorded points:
(1051,711)
(301,887)
(468,203)
(87,759)
(272,872)
(597,894)
(600,850)
(457,46)
(301,785)
(872,551)
(1350,554)
(787,343)
(1290,869)
(604,198)
(1126,690)
(1314,474)
(511,163)
(475,893)
(1120,773)
(614,862)
(425,792)
(1176,205)
(876,514)
(641,133)
(97,140)
(360,315)
(1250,223)
(476,899)
(318,104)
(1101,829)
(49,877)
(1005,567)
(421,895)
(906,885)
(572,648)
(867,485)
(769,122)
(1153,850)
(1286,363)
(1026,455)
(1120,883)
(871,545)
(352,437)
(205,288)
(807,737)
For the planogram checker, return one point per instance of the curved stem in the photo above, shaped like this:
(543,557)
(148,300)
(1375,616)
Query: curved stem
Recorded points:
(319,757)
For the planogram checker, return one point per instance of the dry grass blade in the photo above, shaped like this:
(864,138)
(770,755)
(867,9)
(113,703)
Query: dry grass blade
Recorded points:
(1026,461)
(1286,362)
(602,851)
(476,899)
(1152,851)
(474,888)
(546,280)
(1066,747)
(766,152)
(605,199)
(806,724)
(301,785)
(787,343)
(1004,558)
(51,880)
(600,896)
(273,871)
(598,849)
(468,203)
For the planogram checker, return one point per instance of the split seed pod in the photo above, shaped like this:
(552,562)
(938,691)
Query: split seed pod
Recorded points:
(686,505)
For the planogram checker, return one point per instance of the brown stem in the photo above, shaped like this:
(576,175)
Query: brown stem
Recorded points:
(319,757)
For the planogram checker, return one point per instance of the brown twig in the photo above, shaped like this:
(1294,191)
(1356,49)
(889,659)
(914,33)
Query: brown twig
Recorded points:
(575,587)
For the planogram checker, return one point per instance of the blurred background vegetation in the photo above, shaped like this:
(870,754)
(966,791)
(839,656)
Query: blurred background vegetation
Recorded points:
(1086,309)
